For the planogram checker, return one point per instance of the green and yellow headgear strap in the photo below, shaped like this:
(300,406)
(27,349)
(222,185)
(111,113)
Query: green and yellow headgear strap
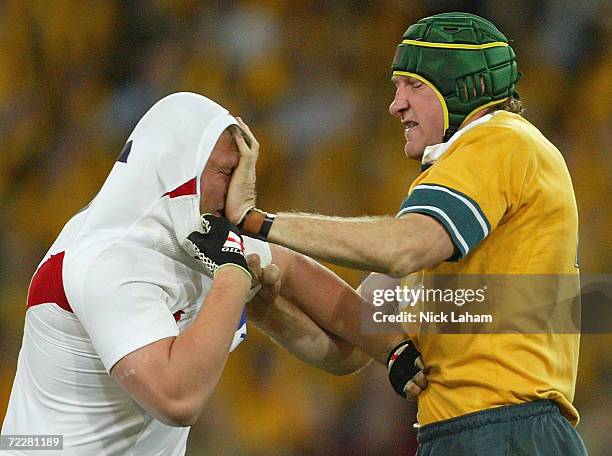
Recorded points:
(464,58)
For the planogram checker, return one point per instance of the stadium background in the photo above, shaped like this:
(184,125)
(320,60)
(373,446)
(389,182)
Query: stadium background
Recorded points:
(312,80)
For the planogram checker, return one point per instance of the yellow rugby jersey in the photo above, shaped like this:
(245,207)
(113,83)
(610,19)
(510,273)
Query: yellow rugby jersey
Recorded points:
(504,195)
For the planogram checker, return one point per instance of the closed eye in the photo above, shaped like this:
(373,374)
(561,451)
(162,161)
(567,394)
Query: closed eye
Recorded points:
(412,82)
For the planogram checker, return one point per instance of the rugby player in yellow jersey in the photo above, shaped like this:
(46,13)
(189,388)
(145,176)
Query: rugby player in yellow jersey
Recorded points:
(494,197)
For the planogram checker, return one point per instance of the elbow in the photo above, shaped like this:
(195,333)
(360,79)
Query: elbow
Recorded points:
(415,254)
(179,413)
(403,263)
(180,408)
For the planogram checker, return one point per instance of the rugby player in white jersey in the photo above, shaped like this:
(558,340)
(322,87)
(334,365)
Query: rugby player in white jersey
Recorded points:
(135,307)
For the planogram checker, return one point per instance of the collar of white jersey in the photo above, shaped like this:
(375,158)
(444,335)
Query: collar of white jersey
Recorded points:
(433,153)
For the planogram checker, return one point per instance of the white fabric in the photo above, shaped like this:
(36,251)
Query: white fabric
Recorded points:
(125,274)
(433,153)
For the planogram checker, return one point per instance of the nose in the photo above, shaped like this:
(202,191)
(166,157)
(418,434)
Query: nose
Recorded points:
(400,103)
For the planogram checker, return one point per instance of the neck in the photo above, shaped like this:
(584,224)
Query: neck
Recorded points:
(468,120)
(475,116)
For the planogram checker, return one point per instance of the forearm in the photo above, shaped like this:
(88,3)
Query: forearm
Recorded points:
(372,244)
(198,355)
(293,330)
(332,304)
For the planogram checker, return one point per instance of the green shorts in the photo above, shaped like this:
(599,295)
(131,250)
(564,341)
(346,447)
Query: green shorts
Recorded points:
(530,429)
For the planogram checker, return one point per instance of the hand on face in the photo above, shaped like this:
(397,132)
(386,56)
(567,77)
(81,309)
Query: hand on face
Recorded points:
(241,193)
(214,182)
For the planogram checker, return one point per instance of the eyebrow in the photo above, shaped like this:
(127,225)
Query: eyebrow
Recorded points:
(410,79)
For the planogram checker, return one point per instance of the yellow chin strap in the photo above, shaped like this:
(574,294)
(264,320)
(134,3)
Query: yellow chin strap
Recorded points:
(433,87)
(441,98)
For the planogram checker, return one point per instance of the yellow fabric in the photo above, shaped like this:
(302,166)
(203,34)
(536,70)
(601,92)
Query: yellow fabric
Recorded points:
(521,183)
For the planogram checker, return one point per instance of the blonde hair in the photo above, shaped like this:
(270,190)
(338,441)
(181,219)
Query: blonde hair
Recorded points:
(510,105)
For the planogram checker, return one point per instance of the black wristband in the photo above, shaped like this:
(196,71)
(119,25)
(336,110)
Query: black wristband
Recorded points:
(257,224)
(401,365)
(265,226)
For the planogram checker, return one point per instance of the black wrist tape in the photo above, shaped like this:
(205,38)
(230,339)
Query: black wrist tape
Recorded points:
(400,365)
(265,226)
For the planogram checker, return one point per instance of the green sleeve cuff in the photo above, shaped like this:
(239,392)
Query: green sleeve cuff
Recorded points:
(460,215)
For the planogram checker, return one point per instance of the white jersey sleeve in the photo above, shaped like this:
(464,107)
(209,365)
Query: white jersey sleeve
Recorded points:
(261,248)
(119,302)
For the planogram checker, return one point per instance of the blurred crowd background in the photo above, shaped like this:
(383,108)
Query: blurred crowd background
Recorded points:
(312,79)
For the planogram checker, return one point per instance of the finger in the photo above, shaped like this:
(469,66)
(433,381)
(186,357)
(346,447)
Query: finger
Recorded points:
(248,155)
(419,364)
(254,259)
(245,132)
(420,380)
(412,391)
(254,264)
(243,147)
(271,281)
(255,268)
(276,289)
(245,128)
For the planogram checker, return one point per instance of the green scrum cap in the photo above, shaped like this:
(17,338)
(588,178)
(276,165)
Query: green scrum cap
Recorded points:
(464,58)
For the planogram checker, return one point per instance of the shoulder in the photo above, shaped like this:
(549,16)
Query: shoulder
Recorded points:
(504,127)
(93,271)
(505,136)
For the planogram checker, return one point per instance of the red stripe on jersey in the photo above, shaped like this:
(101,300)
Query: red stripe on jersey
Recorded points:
(188,188)
(47,285)
(233,237)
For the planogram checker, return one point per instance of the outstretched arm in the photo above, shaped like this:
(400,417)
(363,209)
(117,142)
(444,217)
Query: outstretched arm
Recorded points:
(316,316)
(382,244)
(331,303)
(292,329)
(396,246)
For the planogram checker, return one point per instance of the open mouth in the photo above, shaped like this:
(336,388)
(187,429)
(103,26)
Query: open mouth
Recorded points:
(409,126)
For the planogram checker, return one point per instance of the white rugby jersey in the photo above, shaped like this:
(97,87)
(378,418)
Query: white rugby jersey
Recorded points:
(117,279)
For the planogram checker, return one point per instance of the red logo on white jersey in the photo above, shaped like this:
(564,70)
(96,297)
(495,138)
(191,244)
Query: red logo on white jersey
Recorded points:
(233,242)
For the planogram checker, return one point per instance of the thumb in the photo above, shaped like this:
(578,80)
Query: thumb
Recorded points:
(271,274)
